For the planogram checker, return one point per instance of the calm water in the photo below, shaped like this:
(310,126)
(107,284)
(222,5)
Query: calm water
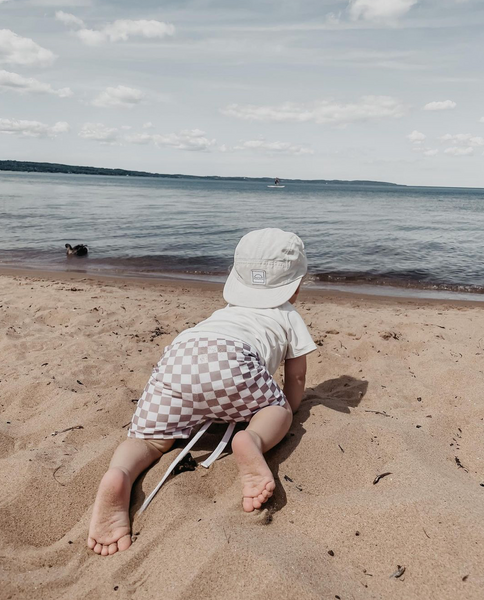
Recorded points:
(406,237)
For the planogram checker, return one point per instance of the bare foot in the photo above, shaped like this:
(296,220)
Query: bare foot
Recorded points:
(110,529)
(257,479)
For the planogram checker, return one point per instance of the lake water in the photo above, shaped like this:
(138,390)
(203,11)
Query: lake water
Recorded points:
(408,238)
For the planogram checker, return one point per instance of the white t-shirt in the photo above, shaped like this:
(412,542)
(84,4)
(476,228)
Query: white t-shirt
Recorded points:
(276,333)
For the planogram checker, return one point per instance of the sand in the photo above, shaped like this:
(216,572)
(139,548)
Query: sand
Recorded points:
(395,387)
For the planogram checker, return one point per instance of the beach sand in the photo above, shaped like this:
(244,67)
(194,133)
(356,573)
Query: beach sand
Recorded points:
(396,387)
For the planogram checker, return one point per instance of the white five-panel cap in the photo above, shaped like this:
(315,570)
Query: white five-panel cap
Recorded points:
(268,267)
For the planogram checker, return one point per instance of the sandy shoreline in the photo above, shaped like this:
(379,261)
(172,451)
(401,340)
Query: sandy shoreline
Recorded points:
(396,386)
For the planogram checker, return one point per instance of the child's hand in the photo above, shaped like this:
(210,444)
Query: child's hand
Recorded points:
(295,380)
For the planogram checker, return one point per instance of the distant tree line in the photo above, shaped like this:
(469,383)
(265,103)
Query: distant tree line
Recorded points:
(43,167)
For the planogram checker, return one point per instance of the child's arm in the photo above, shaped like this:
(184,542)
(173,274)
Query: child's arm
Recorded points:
(294,380)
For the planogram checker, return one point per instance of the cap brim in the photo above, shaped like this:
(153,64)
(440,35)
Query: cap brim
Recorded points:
(239,294)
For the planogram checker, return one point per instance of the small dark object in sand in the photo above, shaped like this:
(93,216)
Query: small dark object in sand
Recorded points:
(398,573)
(378,477)
(481,484)
(341,448)
(70,542)
(134,400)
(287,478)
(53,475)
(79,382)
(357,533)
(298,487)
(187,464)
(419,399)
(156,332)
(465,577)
(44,364)
(116,588)
(68,429)
(460,465)
(378,412)
(387,335)
(330,552)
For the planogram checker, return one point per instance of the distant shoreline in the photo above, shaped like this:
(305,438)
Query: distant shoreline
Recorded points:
(16,166)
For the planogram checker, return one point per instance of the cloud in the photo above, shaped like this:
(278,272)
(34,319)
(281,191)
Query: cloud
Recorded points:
(148,125)
(272,147)
(416,136)
(456,151)
(187,139)
(68,19)
(99,133)
(14,82)
(32,128)
(119,96)
(379,10)
(324,112)
(481,120)
(444,105)
(463,139)
(17,50)
(430,152)
(123,29)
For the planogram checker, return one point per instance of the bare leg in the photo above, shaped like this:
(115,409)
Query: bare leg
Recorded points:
(110,528)
(265,430)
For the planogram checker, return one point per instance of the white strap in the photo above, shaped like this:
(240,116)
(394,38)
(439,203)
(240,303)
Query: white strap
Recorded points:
(182,454)
(220,448)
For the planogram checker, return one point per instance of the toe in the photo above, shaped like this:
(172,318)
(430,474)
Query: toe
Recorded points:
(97,548)
(112,548)
(124,543)
(105,551)
(248,505)
(91,542)
(255,503)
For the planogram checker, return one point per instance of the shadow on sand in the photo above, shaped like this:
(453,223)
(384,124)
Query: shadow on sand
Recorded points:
(340,394)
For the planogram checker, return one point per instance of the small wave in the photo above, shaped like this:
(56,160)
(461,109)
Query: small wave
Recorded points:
(410,280)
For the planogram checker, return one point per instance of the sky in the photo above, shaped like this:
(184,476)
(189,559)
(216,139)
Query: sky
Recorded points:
(386,90)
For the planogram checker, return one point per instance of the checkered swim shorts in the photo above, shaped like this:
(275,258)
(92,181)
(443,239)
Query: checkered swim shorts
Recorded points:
(203,379)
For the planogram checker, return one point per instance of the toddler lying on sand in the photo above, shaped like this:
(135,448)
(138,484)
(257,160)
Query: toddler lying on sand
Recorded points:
(220,369)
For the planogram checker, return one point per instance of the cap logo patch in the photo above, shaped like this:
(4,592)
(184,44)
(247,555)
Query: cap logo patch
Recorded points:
(258,277)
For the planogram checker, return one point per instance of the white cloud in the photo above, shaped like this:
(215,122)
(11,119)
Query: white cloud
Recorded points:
(273,147)
(456,151)
(23,85)
(119,96)
(18,50)
(444,105)
(123,29)
(148,125)
(416,136)
(68,19)
(481,120)
(187,139)
(32,128)
(463,139)
(99,133)
(431,152)
(379,10)
(327,111)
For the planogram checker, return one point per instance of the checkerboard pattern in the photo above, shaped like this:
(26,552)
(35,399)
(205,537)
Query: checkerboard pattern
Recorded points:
(201,379)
